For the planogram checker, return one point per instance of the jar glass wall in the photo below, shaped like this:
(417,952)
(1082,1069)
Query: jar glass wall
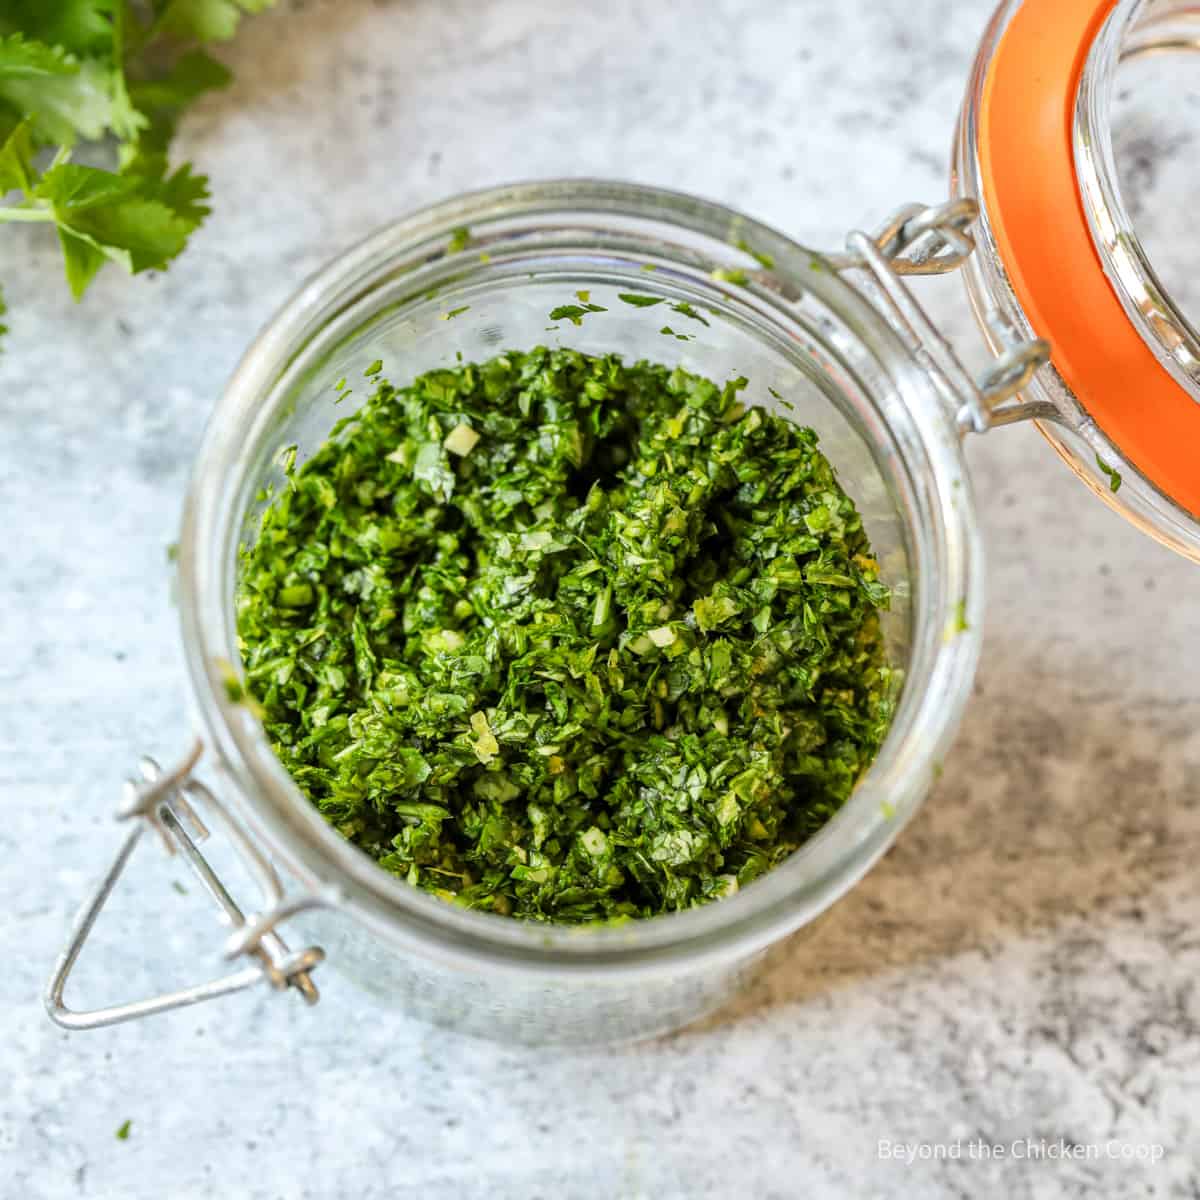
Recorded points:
(415,296)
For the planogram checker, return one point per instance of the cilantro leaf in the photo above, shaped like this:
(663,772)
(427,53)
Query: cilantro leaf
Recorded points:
(185,194)
(73,70)
(163,100)
(189,78)
(124,119)
(105,216)
(16,161)
(81,259)
(78,26)
(207,20)
(22,58)
(64,98)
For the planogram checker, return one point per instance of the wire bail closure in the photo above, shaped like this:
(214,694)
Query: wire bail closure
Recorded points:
(922,239)
(164,801)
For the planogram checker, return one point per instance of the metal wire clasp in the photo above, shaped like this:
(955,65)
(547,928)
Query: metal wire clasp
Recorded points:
(164,801)
(932,240)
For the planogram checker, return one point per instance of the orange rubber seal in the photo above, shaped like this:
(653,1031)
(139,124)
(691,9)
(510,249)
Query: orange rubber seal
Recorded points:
(1032,198)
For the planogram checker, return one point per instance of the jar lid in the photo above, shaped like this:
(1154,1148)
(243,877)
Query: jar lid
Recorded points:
(1036,151)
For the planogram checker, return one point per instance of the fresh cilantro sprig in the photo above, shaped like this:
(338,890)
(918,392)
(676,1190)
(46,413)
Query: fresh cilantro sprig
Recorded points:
(117,72)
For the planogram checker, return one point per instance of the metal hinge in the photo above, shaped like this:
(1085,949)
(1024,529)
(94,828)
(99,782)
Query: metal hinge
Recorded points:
(165,802)
(933,240)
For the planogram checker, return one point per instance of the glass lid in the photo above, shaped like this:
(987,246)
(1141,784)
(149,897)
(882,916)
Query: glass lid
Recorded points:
(1075,137)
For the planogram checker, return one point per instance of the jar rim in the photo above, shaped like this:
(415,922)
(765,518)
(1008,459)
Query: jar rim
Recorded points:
(1132,28)
(946,623)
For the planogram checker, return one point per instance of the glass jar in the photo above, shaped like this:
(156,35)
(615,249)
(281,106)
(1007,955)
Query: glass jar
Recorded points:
(798,328)
(841,336)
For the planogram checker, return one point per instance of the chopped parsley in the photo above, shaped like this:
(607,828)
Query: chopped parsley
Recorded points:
(575,312)
(763,259)
(123,1131)
(960,617)
(566,638)
(639,301)
(686,310)
(1114,476)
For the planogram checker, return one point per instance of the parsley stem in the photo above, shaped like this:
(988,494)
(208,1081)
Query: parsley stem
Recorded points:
(26,214)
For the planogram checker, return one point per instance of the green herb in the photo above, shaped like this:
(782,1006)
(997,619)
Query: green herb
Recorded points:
(960,617)
(117,72)
(683,337)
(235,689)
(179,887)
(455,312)
(123,1131)
(686,310)
(574,312)
(639,301)
(781,401)
(566,638)
(735,276)
(1114,476)
(763,260)
(235,693)
(460,239)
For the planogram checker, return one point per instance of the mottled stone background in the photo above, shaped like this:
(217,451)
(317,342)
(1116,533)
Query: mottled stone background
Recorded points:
(1024,963)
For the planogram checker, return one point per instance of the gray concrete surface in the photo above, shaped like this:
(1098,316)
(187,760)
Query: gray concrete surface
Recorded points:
(1024,963)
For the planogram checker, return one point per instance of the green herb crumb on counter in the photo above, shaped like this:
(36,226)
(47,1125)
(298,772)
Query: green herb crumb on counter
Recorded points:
(566,638)
(123,1131)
